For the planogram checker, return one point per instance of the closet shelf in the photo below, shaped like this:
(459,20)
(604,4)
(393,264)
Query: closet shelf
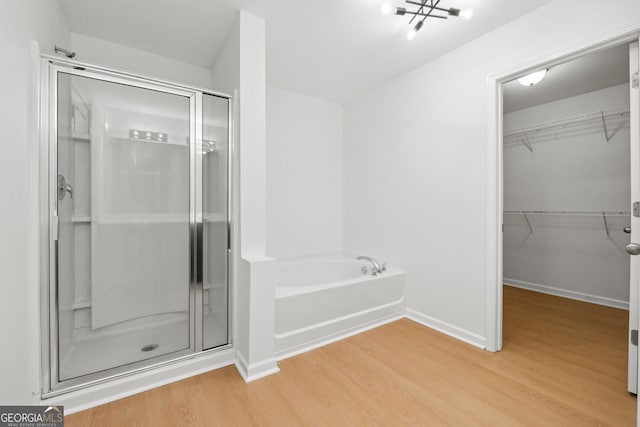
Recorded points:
(609,121)
(601,214)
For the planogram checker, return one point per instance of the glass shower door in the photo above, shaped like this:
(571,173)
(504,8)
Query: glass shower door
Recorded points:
(126,215)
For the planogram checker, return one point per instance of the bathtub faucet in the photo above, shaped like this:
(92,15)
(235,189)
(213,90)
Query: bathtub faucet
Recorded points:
(377,267)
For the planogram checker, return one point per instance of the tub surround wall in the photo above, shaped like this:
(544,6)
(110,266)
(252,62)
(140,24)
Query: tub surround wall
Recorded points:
(23,26)
(415,160)
(304,175)
(312,311)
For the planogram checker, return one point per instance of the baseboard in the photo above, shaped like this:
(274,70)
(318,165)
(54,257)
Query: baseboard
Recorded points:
(565,293)
(447,328)
(117,389)
(294,351)
(252,372)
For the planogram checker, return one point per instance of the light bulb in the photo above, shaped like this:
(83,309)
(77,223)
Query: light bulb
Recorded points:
(533,78)
(466,14)
(385,8)
(411,34)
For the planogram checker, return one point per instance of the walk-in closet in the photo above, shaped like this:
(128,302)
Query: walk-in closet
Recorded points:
(567,193)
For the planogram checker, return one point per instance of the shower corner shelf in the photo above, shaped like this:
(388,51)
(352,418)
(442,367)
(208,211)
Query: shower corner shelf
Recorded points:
(81,138)
(81,304)
(169,142)
(214,217)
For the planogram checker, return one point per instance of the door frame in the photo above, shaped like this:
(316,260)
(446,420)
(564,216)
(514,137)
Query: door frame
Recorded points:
(50,66)
(494,193)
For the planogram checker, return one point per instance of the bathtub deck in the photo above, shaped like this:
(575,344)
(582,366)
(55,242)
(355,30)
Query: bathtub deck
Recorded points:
(564,363)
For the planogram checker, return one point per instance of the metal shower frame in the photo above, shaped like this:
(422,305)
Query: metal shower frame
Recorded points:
(51,66)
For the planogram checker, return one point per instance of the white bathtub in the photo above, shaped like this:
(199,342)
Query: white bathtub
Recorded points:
(319,300)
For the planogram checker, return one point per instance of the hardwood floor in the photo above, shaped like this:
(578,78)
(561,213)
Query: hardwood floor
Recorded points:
(563,364)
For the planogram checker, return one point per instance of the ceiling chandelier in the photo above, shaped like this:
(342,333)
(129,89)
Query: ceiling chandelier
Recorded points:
(424,9)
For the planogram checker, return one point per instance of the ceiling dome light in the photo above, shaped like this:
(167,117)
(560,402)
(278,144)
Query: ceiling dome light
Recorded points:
(466,14)
(533,78)
(386,8)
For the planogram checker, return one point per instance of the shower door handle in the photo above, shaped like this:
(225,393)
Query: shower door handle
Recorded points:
(632,249)
(64,188)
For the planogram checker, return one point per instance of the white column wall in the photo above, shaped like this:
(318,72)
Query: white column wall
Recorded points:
(241,68)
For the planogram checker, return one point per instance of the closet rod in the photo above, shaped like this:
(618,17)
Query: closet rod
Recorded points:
(568,213)
(569,121)
(602,214)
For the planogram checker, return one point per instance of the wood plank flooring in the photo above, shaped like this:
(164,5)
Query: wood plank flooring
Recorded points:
(563,364)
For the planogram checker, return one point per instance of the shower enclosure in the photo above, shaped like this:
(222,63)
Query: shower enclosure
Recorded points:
(136,212)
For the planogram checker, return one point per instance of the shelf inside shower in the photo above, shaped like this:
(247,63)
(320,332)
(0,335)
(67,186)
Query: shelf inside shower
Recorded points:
(215,217)
(86,303)
(174,141)
(150,219)
(81,138)
(76,137)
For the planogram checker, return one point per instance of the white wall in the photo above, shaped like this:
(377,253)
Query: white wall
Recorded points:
(240,69)
(20,23)
(414,160)
(225,72)
(102,52)
(304,175)
(575,170)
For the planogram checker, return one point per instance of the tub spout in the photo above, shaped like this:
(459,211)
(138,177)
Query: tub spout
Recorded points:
(377,267)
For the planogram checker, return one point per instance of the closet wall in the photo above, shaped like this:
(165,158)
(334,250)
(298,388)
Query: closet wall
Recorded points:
(569,169)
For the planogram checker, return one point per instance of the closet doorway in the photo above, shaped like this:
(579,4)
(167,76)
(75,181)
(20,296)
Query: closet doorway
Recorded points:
(570,177)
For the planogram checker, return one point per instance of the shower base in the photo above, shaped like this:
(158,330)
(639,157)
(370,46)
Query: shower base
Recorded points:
(91,351)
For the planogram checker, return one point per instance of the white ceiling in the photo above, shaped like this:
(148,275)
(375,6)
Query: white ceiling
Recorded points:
(594,71)
(330,49)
